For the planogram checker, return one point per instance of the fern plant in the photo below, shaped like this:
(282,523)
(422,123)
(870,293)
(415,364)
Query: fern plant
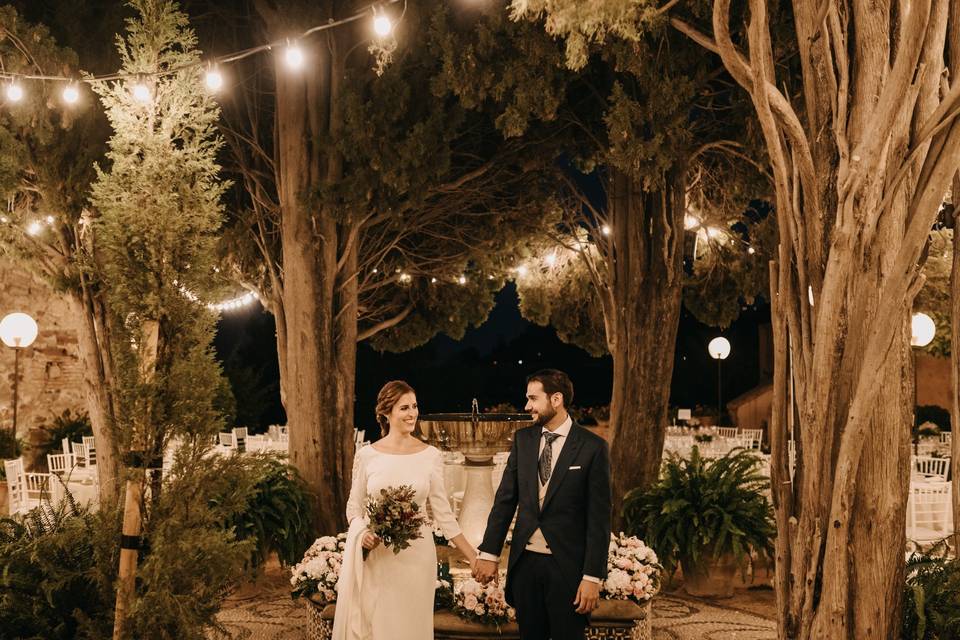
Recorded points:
(278,516)
(702,509)
(931,596)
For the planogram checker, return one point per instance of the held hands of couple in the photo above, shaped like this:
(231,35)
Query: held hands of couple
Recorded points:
(485,570)
(588,597)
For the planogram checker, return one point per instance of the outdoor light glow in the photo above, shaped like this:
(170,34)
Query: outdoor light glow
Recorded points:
(521,270)
(14,92)
(404,277)
(141,92)
(714,233)
(49,219)
(71,94)
(751,250)
(551,259)
(375,270)
(382,25)
(719,348)
(690,222)
(293,56)
(462,280)
(605,230)
(922,329)
(4,219)
(18,330)
(214,80)
(433,280)
(34,228)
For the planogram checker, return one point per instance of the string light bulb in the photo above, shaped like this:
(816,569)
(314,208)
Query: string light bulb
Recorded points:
(34,228)
(605,230)
(462,279)
(552,259)
(141,92)
(214,79)
(71,93)
(14,92)
(293,56)
(382,25)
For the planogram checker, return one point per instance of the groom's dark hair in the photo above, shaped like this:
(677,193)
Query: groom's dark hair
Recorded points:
(554,381)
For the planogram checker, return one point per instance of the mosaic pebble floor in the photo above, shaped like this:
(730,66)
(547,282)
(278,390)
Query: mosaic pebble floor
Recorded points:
(270,614)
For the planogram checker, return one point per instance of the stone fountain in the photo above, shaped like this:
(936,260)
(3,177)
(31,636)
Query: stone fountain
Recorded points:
(479,437)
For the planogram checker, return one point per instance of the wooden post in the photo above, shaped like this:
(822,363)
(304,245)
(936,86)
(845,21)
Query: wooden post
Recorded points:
(136,464)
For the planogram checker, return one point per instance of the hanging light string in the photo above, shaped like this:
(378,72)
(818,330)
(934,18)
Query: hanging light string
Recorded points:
(381,23)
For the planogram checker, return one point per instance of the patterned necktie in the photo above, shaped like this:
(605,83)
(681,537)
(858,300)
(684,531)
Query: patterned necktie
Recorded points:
(546,456)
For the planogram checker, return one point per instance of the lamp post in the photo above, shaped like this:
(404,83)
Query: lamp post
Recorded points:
(719,349)
(922,331)
(17,330)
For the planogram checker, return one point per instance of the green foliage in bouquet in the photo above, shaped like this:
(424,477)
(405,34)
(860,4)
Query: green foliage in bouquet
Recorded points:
(278,515)
(703,507)
(931,596)
(395,517)
(66,425)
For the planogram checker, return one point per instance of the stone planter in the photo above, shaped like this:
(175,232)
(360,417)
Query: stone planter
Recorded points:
(613,620)
(710,578)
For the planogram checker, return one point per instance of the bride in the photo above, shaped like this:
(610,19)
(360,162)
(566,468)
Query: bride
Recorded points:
(390,596)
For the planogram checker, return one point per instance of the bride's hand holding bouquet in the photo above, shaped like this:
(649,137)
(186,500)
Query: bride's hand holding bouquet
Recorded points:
(395,519)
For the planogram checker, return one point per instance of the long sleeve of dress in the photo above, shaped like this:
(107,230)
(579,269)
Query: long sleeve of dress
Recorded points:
(440,503)
(358,488)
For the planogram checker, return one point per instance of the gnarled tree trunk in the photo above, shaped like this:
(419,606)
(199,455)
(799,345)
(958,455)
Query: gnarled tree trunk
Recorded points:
(318,336)
(860,174)
(641,312)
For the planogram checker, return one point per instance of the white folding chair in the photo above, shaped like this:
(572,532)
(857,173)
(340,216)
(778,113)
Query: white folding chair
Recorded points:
(754,436)
(226,439)
(24,490)
(727,432)
(61,463)
(65,445)
(79,454)
(240,438)
(928,518)
(88,442)
(930,467)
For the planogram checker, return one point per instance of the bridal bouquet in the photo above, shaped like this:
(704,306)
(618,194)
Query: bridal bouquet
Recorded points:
(483,604)
(395,517)
(633,571)
(319,569)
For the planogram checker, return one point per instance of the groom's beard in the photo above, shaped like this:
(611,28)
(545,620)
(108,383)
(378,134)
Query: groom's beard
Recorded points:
(544,418)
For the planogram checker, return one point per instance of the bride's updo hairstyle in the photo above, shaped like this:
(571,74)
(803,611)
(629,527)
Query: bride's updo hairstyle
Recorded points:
(387,399)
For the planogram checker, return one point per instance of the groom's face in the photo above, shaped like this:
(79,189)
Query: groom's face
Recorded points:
(539,404)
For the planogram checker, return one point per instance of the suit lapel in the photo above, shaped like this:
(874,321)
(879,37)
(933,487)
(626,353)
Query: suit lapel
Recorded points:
(567,455)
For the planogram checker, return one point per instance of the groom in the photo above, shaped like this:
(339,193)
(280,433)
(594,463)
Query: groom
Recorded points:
(559,475)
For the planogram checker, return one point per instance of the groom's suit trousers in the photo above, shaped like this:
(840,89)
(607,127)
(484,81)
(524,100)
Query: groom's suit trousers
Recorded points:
(544,601)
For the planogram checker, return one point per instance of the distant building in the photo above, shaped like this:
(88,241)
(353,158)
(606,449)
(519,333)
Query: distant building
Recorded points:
(51,375)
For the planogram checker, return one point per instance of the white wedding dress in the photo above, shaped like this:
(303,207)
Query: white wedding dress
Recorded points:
(390,596)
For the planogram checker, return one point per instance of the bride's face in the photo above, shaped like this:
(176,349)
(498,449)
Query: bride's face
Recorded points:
(403,417)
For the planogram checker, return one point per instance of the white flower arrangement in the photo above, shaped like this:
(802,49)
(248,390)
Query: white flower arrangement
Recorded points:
(319,570)
(633,570)
(483,604)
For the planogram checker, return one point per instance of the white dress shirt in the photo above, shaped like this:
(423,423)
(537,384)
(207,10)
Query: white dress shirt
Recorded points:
(537,543)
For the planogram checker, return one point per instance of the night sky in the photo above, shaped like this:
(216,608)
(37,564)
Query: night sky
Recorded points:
(486,363)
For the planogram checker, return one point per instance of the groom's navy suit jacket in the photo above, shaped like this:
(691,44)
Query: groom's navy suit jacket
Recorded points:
(575,517)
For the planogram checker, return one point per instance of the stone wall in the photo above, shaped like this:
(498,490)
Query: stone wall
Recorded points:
(51,375)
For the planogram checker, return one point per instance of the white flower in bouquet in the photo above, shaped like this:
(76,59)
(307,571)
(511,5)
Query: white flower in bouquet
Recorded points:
(485,604)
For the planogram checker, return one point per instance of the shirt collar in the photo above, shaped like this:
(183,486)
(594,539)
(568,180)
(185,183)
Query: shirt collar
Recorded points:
(564,429)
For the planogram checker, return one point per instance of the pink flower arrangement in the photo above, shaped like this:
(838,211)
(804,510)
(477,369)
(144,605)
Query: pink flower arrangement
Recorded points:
(633,571)
(483,604)
(319,570)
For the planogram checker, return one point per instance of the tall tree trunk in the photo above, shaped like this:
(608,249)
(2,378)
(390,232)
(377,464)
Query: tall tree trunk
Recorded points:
(98,384)
(318,308)
(646,276)
(955,365)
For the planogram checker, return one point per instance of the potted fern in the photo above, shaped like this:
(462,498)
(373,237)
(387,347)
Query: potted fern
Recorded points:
(709,516)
